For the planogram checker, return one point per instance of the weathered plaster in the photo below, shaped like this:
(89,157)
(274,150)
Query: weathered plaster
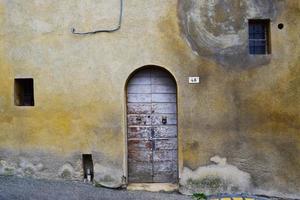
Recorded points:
(246,112)
(219,29)
(217,178)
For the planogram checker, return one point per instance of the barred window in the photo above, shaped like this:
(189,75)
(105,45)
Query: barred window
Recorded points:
(259,39)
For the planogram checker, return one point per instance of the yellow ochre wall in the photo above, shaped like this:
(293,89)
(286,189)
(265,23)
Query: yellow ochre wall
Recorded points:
(239,129)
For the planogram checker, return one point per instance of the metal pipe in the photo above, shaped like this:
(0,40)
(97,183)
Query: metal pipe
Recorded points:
(73,30)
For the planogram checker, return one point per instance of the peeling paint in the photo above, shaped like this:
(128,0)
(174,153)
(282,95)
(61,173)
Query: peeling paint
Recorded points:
(217,178)
(66,171)
(219,29)
(108,176)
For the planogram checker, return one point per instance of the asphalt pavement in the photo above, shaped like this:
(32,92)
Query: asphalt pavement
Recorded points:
(15,188)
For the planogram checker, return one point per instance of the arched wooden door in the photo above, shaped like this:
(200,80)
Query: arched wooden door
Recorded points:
(152,127)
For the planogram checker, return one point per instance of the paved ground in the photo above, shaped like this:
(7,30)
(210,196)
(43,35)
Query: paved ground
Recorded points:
(13,188)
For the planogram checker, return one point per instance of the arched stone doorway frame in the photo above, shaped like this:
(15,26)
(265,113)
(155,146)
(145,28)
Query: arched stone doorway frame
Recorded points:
(179,148)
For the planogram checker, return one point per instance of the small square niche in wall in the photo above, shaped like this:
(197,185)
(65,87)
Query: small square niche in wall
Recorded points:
(259,36)
(24,92)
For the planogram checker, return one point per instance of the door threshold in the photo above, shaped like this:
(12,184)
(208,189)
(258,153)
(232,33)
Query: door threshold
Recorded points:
(153,187)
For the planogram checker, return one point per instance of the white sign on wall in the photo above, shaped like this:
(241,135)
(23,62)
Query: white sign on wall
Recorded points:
(194,79)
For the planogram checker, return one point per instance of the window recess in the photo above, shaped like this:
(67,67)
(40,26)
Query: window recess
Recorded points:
(259,36)
(24,92)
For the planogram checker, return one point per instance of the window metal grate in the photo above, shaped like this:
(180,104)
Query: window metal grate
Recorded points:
(259,36)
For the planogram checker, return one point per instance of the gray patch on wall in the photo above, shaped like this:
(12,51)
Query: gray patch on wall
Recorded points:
(219,29)
(217,178)
(46,165)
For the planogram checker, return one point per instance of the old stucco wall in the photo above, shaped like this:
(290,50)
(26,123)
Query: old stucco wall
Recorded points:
(254,123)
(238,128)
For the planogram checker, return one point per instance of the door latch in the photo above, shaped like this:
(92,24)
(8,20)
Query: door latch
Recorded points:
(164,120)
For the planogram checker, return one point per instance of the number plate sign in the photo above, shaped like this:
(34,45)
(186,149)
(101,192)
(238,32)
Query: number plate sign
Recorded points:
(194,79)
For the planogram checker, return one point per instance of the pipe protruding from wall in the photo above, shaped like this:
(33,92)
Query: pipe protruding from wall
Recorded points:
(73,30)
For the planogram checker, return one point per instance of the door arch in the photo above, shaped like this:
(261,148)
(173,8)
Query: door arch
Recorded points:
(152,143)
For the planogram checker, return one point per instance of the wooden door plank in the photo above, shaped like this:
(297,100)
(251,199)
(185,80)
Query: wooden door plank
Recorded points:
(142,120)
(161,144)
(140,80)
(160,73)
(157,119)
(164,166)
(138,132)
(139,89)
(162,81)
(140,172)
(165,131)
(163,98)
(139,108)
(169,155)
(134,145)
(163,89)
(139,155)
(143,73)
(164,177)
(139,98)
(164,108)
